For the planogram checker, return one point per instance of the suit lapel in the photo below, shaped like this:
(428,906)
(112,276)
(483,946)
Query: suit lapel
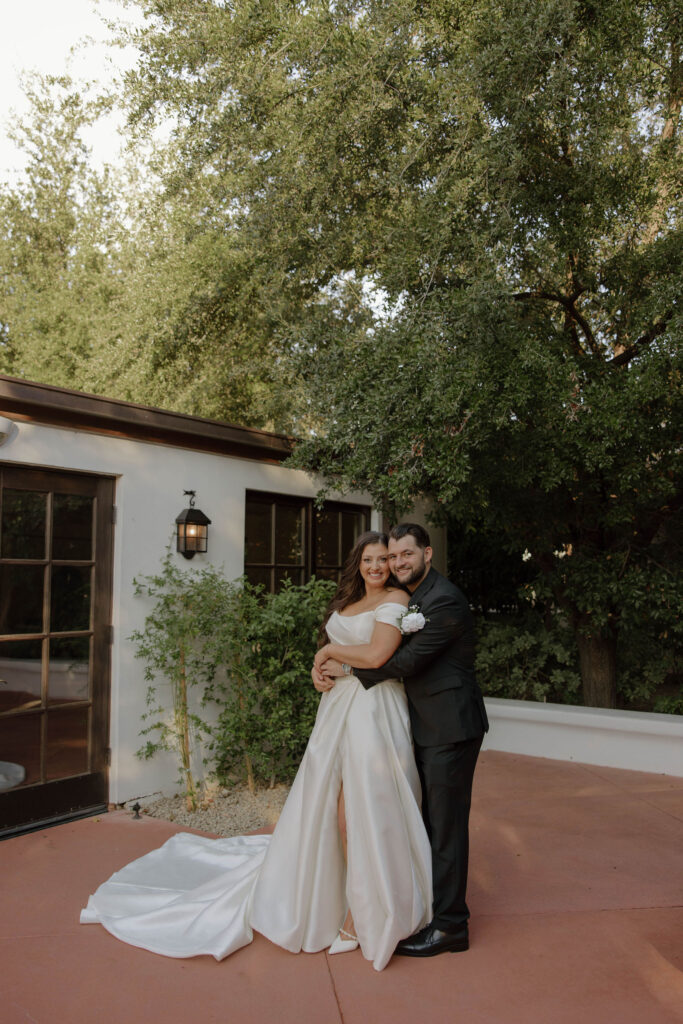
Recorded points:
(418,596)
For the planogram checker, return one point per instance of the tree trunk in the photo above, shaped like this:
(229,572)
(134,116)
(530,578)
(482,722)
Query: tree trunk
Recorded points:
(184,729)
(250,774)
(598,662)
(237,683)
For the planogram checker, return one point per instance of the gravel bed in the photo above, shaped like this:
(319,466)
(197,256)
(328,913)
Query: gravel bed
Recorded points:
(229,812)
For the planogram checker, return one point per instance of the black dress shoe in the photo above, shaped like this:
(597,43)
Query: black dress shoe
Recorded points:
(430,941)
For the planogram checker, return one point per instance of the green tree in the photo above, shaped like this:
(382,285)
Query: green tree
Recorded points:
(113,286)
(58,235)
(192,334)
(506,177)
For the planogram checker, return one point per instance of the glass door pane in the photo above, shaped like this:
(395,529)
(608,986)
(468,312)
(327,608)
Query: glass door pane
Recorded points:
(67,743)
(20,747)
(72,527)
(23,524)
(69,670)
(21,598)
(70,598)
(20,675)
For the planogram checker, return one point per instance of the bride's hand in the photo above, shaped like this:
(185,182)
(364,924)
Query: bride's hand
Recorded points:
(322,656)
(321,682)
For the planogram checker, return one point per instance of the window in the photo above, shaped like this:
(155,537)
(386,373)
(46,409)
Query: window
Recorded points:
(276,537)
(335,528)
(289,538)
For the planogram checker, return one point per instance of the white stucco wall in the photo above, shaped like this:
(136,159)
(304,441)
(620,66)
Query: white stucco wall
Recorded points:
(150,480)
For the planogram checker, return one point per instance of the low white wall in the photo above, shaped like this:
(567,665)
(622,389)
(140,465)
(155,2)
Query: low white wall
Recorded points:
(637,740)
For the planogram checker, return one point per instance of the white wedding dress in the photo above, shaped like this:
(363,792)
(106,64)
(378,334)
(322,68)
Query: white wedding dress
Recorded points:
(197,895)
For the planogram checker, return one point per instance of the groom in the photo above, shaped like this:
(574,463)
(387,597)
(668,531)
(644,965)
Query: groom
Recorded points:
(448,720)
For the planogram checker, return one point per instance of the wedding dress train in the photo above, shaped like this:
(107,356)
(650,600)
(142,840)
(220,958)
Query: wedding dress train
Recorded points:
(196,895)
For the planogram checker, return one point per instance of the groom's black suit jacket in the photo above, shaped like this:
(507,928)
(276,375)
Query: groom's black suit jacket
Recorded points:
(437,667)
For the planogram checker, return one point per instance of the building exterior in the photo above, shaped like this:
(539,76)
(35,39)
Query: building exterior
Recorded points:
(90,489)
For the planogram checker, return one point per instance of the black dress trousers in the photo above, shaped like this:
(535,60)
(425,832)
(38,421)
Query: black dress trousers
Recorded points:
(446,774)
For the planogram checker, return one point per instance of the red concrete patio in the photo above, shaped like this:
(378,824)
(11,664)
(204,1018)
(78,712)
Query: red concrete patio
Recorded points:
(576,895)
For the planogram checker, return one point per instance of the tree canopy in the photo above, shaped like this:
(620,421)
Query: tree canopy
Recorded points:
(441,241)
(114,285)
(58,230)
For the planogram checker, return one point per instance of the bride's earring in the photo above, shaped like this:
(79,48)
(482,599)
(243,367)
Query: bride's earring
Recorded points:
(345,944)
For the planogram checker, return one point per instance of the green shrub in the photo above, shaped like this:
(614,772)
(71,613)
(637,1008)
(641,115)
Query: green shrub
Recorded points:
(650,667)
(237,647)
(174,646)
(269,703)
(523,660)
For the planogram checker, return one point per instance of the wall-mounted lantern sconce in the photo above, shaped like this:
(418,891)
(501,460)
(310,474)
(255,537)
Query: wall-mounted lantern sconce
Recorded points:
(192,529)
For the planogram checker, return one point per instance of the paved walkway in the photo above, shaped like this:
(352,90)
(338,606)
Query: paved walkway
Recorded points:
(576,895)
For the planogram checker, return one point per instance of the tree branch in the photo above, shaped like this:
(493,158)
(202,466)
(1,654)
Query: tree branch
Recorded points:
(567,303)
(673,113)
(626,355)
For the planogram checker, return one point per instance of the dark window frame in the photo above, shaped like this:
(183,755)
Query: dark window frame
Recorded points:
(308,566)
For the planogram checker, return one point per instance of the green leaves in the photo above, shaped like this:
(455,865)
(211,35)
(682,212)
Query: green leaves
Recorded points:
(440,243)
(266,717)
(210,642)
(521,660)
(59,227)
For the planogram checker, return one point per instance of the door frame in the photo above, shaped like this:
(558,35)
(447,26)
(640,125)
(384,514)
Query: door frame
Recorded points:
(36,806)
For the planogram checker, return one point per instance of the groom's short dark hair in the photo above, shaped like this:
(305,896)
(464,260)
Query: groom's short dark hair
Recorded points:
(417,532)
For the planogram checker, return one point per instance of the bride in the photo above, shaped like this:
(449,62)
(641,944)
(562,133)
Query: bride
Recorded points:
(349,861)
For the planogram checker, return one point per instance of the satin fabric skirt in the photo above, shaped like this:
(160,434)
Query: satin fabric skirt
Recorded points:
(206,896)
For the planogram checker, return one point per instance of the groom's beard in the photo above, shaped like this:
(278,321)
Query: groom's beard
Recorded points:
(415,575)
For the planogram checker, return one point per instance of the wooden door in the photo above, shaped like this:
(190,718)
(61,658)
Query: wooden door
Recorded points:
(55,614)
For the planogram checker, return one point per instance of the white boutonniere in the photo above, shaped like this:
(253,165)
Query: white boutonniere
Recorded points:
(411,620)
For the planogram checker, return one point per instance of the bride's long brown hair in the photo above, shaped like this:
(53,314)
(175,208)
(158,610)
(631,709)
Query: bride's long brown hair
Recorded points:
(351,584)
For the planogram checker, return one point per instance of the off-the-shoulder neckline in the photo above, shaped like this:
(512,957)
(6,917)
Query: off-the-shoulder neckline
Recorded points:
(371,610)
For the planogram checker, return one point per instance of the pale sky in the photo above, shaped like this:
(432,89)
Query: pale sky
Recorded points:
(38,35)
